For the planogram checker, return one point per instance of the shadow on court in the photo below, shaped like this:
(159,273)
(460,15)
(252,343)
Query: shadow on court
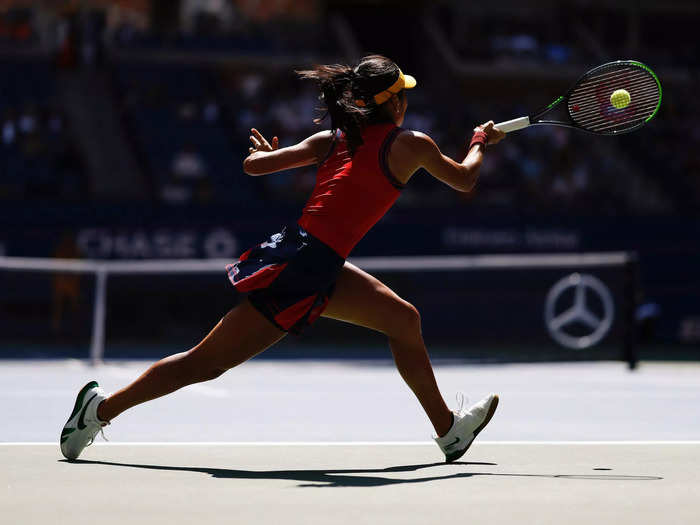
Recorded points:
(344,477)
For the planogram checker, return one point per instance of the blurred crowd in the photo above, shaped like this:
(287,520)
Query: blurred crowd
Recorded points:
(37,157)
(16,28)
(188,123)
(572,32)
(540,170)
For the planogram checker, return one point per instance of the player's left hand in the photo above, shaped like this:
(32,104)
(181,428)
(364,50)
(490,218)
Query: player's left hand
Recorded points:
(493,134)
(260,143)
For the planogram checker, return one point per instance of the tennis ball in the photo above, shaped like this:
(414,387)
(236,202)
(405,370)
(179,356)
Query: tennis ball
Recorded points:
(620,98)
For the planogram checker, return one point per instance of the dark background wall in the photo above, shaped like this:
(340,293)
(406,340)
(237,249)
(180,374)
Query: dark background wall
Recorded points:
(124,125)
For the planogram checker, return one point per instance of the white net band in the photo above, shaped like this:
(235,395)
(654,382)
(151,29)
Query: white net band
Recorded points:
(411,263)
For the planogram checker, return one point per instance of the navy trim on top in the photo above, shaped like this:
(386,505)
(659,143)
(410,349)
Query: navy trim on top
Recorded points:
(384,161)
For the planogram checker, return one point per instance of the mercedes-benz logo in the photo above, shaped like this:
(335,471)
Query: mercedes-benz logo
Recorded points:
(579,312)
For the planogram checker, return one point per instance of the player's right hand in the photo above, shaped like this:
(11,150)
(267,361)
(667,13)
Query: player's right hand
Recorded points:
(493,134)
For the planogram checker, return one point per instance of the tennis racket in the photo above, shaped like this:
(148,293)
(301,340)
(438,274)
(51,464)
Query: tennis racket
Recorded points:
(617,97)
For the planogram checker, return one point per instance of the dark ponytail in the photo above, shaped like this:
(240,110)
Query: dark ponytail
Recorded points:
(342,86)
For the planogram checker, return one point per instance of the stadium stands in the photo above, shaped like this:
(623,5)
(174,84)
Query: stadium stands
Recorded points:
(39,158)
(187,109)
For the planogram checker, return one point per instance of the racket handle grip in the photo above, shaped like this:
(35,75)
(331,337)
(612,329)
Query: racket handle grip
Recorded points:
(513,125)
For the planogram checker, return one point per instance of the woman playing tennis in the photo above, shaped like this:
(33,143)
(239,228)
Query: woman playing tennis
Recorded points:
(301,273)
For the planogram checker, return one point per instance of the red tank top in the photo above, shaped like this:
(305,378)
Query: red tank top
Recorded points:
(352,192)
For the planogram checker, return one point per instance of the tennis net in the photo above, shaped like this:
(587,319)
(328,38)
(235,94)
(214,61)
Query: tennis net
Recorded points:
(483,307)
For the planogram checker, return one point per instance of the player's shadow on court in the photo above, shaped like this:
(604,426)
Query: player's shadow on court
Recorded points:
(357,477)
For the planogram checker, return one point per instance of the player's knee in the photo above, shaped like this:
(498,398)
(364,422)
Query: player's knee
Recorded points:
(413,315)
(407,322)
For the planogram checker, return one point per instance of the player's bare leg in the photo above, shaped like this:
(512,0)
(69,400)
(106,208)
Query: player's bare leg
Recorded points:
(363,300)
(241,334)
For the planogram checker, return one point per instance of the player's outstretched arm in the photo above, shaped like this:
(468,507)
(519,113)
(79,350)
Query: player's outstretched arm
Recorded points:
(266,157)
(422,152)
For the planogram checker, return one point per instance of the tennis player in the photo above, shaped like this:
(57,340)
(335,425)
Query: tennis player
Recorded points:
(300,273)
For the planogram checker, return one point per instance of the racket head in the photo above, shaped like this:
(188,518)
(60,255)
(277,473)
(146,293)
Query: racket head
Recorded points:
(588,101)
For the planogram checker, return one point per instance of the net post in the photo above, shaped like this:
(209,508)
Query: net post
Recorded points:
(97,347)
(629,345)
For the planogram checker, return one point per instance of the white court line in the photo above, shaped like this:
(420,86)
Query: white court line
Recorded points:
(343,443)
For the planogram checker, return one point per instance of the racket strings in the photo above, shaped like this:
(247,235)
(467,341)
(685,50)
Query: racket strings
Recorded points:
(604,122)
(643,91)
(637,85)
(590,107)
(640,84)
(604,119)
(644,106)
(615,75)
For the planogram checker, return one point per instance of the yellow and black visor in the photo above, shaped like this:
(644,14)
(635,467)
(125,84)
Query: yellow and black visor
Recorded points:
(403,82)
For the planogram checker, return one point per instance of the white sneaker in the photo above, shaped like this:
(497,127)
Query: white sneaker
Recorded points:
(466,426)
(83,425)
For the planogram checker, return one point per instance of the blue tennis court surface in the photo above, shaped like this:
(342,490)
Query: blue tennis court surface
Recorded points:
(325,400)
(345,442)
(344,484)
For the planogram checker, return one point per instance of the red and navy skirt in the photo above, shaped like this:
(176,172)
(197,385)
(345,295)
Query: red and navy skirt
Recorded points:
(288,278)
